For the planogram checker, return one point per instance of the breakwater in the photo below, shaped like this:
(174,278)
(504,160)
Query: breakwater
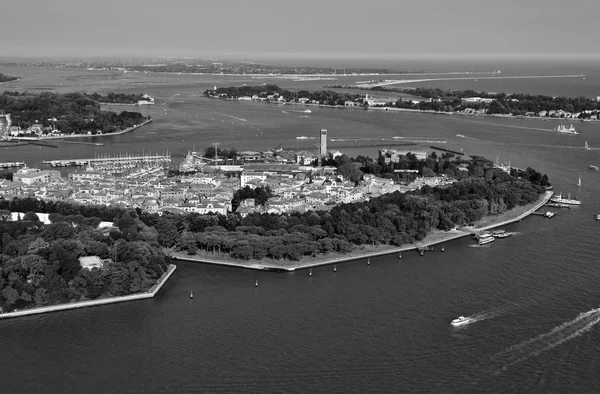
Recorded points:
(344,259)
(446,150)
(82,304)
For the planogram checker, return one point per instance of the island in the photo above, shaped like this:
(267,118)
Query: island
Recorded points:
(429,100)
(7,78)
(69,262)
(53,115)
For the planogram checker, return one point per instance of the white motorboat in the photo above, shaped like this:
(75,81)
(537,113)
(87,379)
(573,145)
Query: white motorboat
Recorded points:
(461,320)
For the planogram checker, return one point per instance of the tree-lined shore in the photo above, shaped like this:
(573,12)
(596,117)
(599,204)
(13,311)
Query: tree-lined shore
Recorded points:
(7,78)
(69,113)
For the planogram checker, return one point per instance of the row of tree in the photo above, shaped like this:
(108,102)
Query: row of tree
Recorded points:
(516,104)
(117,98)
(324,97)
(69,113)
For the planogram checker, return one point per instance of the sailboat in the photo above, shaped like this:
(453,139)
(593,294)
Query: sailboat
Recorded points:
(579,183)
(587,146)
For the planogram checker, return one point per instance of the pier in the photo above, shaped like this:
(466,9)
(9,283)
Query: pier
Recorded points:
(447,150)
(12,164)
(117,162)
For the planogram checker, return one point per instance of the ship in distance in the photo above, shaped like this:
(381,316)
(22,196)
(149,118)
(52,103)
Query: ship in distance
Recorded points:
(561,128)
(560,200)
(461,320)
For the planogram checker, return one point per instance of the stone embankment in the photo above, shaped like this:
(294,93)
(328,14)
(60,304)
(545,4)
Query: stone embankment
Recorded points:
(450,236)
(82,304)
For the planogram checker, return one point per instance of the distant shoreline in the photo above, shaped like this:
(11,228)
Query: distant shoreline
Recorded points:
(432,239)
(82,304)
(423,111)
(127,130)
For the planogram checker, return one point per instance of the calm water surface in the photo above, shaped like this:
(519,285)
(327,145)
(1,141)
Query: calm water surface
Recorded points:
(382,327)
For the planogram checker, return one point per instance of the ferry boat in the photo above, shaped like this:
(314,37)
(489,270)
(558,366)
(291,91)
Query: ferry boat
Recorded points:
(559,199)
(501,234)
(482,234)
(561,128)
(461,320)
(593,167)
(486,240)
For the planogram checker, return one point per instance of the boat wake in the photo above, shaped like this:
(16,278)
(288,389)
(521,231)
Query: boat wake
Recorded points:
(481,316)
(231,116)
(533,347)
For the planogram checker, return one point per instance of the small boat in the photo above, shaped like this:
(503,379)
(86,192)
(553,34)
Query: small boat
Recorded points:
(598,217)
(191,295)
(579,182)
(587,147)
(461,320)
(549,214)
(593,167)
(549,187)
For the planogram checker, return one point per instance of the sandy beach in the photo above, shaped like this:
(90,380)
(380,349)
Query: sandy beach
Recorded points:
(436,237)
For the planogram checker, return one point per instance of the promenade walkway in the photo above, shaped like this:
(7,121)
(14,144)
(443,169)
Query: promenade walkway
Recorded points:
(449,236)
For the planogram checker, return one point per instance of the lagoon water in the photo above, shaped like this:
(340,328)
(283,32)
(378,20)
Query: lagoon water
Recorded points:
(382,327)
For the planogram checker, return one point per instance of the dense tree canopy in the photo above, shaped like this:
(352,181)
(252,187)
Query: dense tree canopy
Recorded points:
(7,78)
(69,113)
(39,264)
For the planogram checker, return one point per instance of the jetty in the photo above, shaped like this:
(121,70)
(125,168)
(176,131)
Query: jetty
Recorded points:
(12,164)
(447,150)
(111,162)
(419,247)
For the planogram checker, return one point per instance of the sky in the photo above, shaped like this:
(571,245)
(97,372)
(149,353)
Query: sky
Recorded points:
(254,29)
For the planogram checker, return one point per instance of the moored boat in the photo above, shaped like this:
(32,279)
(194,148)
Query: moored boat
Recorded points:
(486,240)
(559,199)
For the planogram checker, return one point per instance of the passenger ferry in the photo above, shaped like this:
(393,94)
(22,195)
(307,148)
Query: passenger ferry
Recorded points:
(559,199)
(501,234)
(486,240)
(567,130)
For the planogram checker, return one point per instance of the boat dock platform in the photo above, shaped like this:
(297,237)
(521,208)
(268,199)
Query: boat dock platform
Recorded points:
(113,161)
(547,214)
(12,164)
(558,205)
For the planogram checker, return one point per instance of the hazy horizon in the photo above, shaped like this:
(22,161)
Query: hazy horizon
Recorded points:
(274,29)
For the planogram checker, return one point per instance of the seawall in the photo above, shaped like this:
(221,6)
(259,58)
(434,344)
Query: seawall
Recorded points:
(343,259)
(82,304)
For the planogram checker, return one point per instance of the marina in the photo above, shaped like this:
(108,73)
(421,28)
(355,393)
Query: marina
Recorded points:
(115,162)
(12,164)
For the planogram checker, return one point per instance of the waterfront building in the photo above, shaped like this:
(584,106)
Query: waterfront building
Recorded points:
(393,156)
(32,177)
